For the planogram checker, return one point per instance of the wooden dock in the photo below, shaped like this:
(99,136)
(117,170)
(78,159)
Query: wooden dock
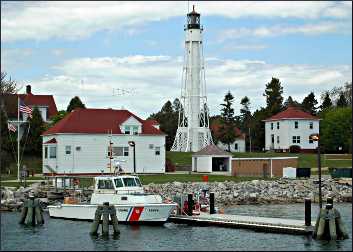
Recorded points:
(271,225)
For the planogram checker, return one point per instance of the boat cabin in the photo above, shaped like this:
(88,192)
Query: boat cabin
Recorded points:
(118,184)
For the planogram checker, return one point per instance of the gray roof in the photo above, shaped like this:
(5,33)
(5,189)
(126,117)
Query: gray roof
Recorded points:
(212,150)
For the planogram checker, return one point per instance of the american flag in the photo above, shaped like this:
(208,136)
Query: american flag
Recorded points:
(25,109)
(11,127)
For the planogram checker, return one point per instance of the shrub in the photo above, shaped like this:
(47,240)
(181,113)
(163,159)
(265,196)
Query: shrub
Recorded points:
(294,149)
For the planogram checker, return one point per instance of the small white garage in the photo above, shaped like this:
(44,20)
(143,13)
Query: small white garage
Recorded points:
(212,159)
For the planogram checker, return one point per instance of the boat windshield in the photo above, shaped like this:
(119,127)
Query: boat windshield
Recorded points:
(129,182)
(138,182)
(118,182)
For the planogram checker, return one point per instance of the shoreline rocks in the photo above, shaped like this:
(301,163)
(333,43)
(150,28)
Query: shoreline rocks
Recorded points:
(280,191)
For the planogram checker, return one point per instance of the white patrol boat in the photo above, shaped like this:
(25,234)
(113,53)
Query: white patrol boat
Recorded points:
(133,205)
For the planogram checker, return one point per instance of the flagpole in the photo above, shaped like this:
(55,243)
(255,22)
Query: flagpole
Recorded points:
(18,138)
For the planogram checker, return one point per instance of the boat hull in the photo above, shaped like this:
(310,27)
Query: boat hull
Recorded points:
(128,214)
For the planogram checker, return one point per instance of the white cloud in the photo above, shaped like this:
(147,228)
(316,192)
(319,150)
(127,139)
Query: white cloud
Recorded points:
(280,30)
(74,20)
(152,80)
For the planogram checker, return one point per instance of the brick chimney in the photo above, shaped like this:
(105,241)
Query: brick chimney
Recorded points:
(28,89)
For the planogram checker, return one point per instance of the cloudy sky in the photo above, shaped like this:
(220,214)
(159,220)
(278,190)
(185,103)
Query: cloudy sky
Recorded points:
(130,54)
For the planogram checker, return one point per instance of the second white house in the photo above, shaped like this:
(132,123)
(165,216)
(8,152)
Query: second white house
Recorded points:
(292,126)
(79,144)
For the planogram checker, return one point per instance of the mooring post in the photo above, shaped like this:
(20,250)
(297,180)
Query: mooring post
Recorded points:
(105,223)
(212,209)
(307,203)
(114,219)
(38,212)
(97,218)
(329,200)
(23,213)
(190,204)
(30,218)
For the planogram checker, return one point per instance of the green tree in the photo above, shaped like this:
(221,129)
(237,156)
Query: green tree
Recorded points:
(56,118)
(273,94)
(342,101)
(167,117)
(7,86)
(75,103)
(245,118)
(336,130)
(327,103)
(227,123)
(309,103)
(32,140)
(7,146)
(257,127)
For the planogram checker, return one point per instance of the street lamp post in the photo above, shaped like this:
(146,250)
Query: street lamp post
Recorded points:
(132,144)
(316,137)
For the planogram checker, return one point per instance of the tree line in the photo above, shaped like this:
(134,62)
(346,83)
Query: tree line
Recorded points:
(335,112)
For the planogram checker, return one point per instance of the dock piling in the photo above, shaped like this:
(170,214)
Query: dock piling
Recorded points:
(307,203)
(103,212)
(32,212)
(212,209)
(190,204)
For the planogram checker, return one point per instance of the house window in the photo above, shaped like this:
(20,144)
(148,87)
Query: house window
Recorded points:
(127,130)
(119,151)
(68,149)
(78,148)
(311,125)
(151,146)
(126,151)
(310,140)
(271,126)
(135,130)
(158,151)
(272,138)
(235,146)
(278,139)
(277,125)
(296,125)
(296,139)
(52,152)
(46,152)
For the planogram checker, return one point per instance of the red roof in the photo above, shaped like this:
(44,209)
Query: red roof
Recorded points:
(215,128)
(152,121)
(98,121)
(53,140)
(292,113)
(40,100)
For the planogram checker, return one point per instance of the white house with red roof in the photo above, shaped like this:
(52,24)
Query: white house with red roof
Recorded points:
(79,144)
(292,126)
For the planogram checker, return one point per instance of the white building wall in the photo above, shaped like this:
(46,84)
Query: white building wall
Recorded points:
(204,164)
(93,155)
(240,142)
(286,132)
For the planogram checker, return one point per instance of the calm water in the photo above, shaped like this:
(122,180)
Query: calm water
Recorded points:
(59,234)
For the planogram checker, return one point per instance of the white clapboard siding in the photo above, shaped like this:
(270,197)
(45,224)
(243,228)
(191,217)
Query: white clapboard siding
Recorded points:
(92,156)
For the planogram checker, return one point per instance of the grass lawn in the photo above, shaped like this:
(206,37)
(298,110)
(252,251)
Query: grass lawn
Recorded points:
(305,160)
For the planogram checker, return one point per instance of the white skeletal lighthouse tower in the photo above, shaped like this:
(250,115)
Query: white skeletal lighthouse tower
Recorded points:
(193,131)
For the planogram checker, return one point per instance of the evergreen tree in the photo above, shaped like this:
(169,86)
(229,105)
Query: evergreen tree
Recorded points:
(7,150)
(227,123)
(56,118)
(309,103)
(273,94)
(75,103)
(32,141)
(291,102)
(257,127)
(342,101)
(245,119)
(327,103)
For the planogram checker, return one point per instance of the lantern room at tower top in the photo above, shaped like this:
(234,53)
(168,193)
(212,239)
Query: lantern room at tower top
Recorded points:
(193,19)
